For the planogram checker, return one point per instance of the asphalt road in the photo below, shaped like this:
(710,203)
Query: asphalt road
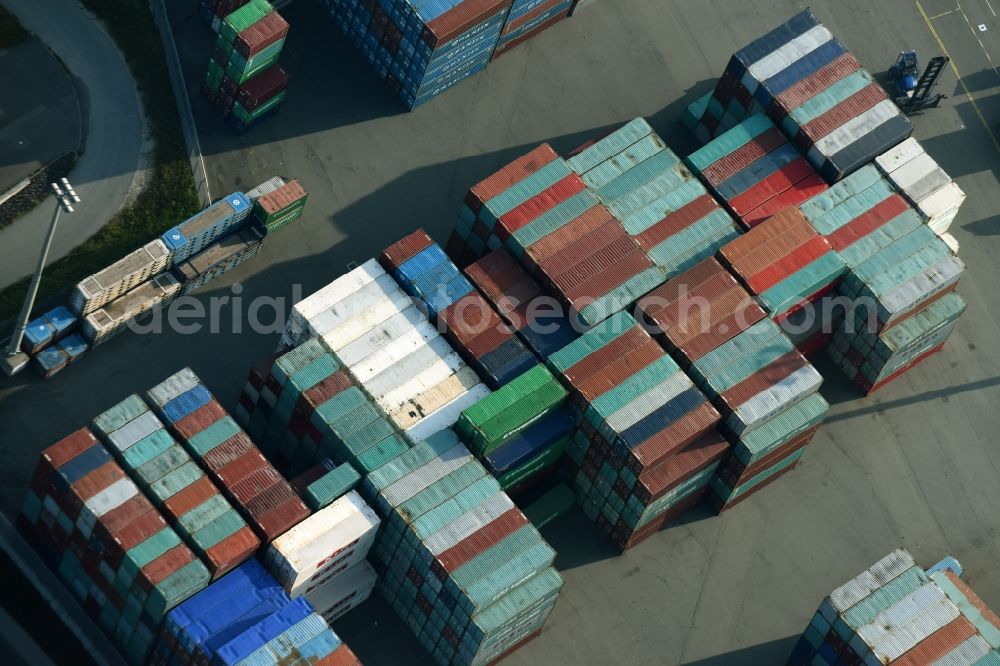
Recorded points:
(40,115)
(917,465)
(107,167)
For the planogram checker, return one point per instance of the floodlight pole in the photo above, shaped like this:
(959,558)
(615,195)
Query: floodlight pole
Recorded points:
(15,359)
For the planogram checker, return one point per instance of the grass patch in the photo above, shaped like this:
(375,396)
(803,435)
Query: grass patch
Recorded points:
(170,196)
(12,32)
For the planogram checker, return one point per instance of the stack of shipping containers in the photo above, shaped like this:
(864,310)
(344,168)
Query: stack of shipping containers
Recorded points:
(323,557)
(897,613)
(785,263)
(646,447)
(519,432)
(231,458)
(457,561)
(755,171)
(659,203)
(801,77)
(918,177)
(422,48)
(304,408)
(247,613)
(244,80)
(177,486)
(107,542)
(276,208)
(765,389)
(521,302)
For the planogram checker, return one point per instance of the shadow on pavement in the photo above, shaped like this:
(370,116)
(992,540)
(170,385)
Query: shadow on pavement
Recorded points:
(772,652)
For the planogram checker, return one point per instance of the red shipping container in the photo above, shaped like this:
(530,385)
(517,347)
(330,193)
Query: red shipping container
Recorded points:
(778,182)
(802,191)
(817,82)
(199,419)
(578,227)
(676,222)
(232,551)
(500,50)
(461,18)
(744,156)
(538,205)
(509,175)
(854,106)
(262,87)
(868,222)
(405,249)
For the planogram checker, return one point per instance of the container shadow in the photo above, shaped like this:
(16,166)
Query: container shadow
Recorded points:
(772,652)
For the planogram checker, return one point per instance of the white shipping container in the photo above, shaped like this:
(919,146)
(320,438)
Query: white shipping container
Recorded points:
(174,385)
(851,131)
(894,158)
(415,384)
(942,203)
(409,366)
(645,404)
(358,318)
(337,290)
(881,573)
(447,415)
(426,403)
(321,539)
(781,58)
(434,470)
(379,336)
(395,351)
(134,430)
(351,586)
(777,398)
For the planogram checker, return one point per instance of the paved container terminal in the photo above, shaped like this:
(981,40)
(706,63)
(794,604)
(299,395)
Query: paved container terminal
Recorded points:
(915,466)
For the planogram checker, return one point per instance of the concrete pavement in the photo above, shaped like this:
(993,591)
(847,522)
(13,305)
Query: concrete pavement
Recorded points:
(106,169)
(916,465)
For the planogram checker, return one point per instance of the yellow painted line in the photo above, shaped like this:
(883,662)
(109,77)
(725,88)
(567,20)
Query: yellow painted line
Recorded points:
(954,68)
(942,14)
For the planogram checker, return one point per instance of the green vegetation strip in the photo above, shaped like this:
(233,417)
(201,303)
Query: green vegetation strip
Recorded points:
(12,32)
(170,195)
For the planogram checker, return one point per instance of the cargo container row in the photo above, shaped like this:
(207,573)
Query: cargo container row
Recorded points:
(176,485)
(765,390)
(107,542)
(811,86)
(246,617)
(457,561)
(391,349)
(785,263)
(556,226)
(244,80)
(755,171)
(897,613)
(218,443)
(304,407)
(660,204)
(646,446)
